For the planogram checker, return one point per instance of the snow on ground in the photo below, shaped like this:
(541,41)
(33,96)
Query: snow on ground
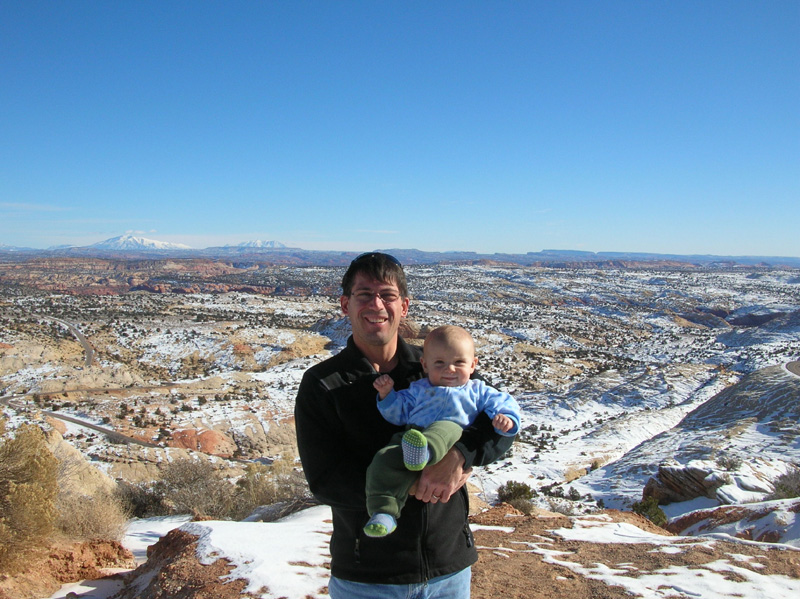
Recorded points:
(287,557)
(140,535)
(718,579)
(143,532)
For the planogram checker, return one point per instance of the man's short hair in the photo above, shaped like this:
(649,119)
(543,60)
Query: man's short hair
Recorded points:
(378,267)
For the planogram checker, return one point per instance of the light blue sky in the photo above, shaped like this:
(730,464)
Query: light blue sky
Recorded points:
(497,126)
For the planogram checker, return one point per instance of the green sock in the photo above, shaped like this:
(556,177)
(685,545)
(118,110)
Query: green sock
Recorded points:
(380,525)
(415,450)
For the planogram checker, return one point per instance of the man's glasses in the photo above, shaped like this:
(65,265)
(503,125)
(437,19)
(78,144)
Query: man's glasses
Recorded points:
(364,297)
(367,256)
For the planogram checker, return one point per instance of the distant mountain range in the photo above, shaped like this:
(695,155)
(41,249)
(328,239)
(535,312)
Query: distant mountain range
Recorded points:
(278,253)
(267,245)
(129,242)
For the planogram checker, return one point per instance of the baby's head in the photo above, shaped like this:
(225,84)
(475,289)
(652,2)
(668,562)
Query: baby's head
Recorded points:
(448,356)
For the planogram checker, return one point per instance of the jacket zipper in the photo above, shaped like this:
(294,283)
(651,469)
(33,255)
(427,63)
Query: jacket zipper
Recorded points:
(467,529)
(423,545)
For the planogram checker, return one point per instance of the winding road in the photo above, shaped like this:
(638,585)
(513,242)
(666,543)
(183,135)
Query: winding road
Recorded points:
(87,347)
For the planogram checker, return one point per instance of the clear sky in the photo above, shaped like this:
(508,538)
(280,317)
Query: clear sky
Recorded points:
(496,126)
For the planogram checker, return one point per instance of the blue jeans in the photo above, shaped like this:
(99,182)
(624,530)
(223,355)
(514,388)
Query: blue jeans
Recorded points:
(451,586)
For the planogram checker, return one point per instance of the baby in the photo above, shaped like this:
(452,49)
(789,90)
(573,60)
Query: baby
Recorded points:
(435,410)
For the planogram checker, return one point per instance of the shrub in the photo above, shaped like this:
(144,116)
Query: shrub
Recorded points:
(729,462)
(85,515)
(648,508)
(787,485)
(100,516)
(518,495)
(553,490)
(28,491)
(262,485)
(514,490)
(195,486)
(141,500)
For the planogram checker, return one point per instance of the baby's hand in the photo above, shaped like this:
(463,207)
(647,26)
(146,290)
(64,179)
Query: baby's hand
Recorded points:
(383,384)
(502,423)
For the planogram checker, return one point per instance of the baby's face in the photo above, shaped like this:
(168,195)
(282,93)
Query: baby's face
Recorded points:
(449,364)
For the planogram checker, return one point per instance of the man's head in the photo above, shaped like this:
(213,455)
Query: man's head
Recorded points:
(375,298)
(378,267)
(448,356)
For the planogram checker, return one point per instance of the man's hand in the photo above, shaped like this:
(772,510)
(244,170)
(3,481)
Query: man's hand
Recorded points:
(383,384)
(440,481)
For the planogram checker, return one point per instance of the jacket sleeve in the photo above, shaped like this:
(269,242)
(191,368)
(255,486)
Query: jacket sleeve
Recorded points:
(494,402)
(480,444)
(332,478)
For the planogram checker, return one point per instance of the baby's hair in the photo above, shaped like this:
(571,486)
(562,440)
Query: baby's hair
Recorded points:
(449,335)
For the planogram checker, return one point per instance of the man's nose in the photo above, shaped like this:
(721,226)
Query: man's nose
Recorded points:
(376,300)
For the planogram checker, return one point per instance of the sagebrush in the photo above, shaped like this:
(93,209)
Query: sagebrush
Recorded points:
(197,487)
(28,490)
(100,516)
(517,494)
(787,485)
(648,507)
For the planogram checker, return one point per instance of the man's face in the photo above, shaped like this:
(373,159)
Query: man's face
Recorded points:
(375,309)
(449,364)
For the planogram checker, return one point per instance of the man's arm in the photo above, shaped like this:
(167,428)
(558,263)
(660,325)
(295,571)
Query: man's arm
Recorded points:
(334,479)
(479,445)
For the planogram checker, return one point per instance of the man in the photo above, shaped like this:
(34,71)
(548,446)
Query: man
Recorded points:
(339,429)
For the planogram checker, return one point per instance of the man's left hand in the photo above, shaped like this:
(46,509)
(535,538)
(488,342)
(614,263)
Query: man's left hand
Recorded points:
(438,482)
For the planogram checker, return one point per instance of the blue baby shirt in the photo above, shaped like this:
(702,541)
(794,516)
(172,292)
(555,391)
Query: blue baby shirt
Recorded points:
(422,404)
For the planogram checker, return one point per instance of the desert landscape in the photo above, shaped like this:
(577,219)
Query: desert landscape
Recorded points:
(136,364)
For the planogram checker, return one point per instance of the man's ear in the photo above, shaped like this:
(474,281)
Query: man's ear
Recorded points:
(343,302)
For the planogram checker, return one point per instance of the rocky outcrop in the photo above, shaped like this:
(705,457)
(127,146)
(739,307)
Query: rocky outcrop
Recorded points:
(765,522)
(738,483)
(207,441)
(677,482)
(173,571)
(135,464)
(47,569)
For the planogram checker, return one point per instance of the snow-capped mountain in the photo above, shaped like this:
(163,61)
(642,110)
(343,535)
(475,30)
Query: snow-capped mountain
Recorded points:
(131,242)
(270,245)
(12,248)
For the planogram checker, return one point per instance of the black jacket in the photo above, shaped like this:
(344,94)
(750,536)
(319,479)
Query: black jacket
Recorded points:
(339,429)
